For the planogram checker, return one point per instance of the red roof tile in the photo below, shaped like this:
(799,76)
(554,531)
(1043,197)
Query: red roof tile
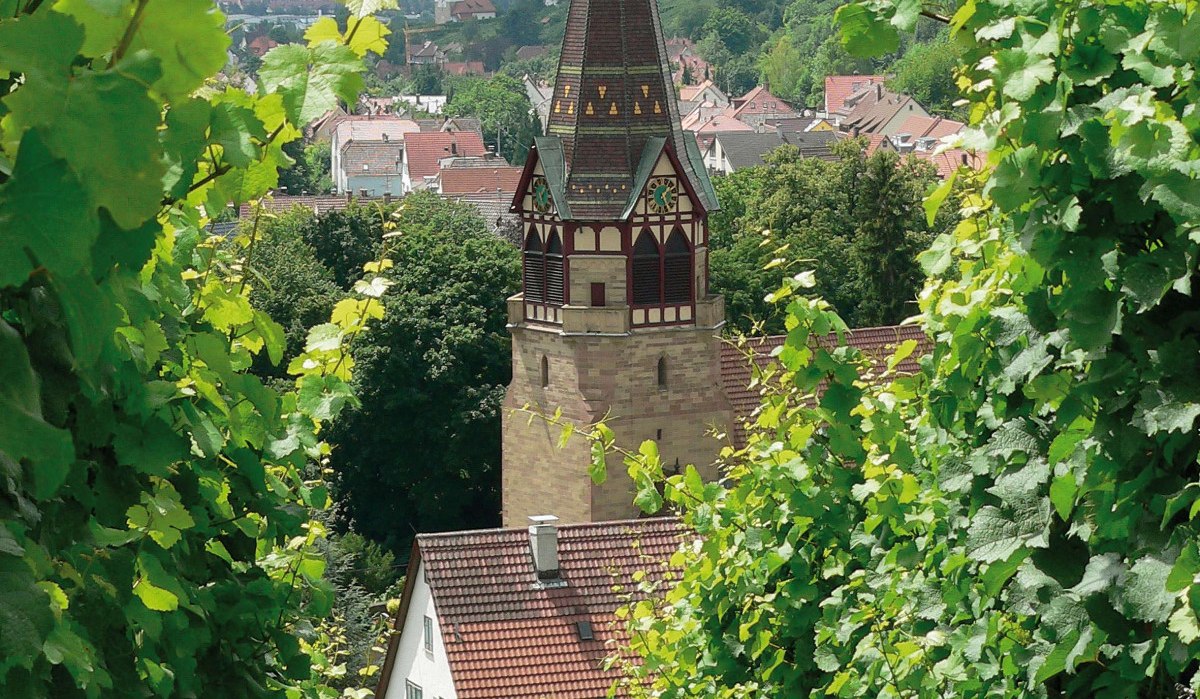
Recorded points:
(875,343)
(947,162)
(481,180)
(929,127)
(424,150)
(508,637)
(839,87)
(758,101)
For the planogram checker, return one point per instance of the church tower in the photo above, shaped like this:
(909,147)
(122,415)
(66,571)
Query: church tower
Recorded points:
(615,320)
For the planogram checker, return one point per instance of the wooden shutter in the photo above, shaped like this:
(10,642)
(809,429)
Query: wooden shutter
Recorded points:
(554,269)
(535,269)
(647,271)
(677,270)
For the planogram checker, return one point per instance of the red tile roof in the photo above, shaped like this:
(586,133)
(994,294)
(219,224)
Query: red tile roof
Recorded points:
(468,8)
(876,343)
(508,637)
(481,180)
(467,68)
(839,87)
(424,150)
(758,101)
(929,127)
(949,161)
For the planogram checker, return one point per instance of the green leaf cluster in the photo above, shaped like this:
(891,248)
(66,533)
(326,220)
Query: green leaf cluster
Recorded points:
(1018,519)
(157,500)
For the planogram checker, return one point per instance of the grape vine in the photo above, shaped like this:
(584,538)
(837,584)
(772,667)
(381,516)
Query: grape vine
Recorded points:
(157,535)
(1020,518)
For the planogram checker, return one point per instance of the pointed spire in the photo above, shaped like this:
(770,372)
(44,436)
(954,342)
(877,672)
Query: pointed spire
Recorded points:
(614,61)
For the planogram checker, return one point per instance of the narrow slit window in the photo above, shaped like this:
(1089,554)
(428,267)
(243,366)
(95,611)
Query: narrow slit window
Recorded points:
(662,373)
(545,372)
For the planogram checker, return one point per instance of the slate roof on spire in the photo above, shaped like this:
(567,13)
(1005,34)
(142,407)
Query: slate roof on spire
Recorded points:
(614,95)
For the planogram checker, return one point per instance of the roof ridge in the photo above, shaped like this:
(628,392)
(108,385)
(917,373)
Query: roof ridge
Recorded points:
(561,527)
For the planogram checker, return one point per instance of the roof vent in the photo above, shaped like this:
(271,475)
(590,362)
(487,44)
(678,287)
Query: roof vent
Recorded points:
(543,543)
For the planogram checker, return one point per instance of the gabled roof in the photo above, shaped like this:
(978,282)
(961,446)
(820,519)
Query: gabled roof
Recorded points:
(472,7)
(839,87)
(425,150)
(758,102)
(372,158)
(744,149)
(876,343)
(526,53)
(948,161)
(373,128)
(876,108)
(481,180)
(918,126)
(507,636)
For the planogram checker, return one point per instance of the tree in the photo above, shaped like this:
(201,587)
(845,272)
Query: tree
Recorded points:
(158,534)
(309,172)
(502,105)
(1017,519)
(422,452)
(857,220)
(926,72)
(736,31)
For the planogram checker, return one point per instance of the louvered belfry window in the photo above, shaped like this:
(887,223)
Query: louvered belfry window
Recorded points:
(535,267)
(647,271)
(554,269)
(677,269)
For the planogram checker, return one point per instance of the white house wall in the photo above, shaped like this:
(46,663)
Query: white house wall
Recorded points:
(428,670)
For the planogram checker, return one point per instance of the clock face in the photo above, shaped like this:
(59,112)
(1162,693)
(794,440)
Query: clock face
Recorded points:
(663,194)
(541,194)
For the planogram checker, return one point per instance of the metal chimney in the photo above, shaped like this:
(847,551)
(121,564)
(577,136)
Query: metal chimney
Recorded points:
(543,544)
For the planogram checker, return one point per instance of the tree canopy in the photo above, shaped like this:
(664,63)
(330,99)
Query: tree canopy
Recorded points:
(422,450)
(858,220)
(503,107)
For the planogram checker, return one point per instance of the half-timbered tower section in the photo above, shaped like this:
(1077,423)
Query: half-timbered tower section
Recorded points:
(615,319)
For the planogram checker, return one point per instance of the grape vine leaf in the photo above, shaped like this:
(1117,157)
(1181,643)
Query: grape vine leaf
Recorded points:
(311,80)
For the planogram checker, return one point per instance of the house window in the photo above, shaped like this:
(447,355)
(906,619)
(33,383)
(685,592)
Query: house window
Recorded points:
(647,271)
(412,691)
(428,635)
(662,373)
(554,269)
(535,267)
(677,269)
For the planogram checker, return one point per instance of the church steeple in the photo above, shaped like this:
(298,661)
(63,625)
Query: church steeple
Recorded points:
(615,320)
(614,103)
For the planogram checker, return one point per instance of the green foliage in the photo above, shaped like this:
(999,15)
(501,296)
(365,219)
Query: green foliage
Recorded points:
(858,220)
(310,169)
(1018,519)
(434,371)
(926,72)
(156,499)
(501,104)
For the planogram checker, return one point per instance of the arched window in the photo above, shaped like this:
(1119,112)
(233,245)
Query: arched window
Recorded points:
(554,268)
(662,372)
(535,270)
(545,372)
(647,271)
(677,269)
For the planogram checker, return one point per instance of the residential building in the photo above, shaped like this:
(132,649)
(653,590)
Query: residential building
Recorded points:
(540,95)
(733,151)
(369,141)
(426,54)
(757,106)
(469,176)
(521,612)
(706,92)
(424,152)
(464,10)
(839,87)
(875,109)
